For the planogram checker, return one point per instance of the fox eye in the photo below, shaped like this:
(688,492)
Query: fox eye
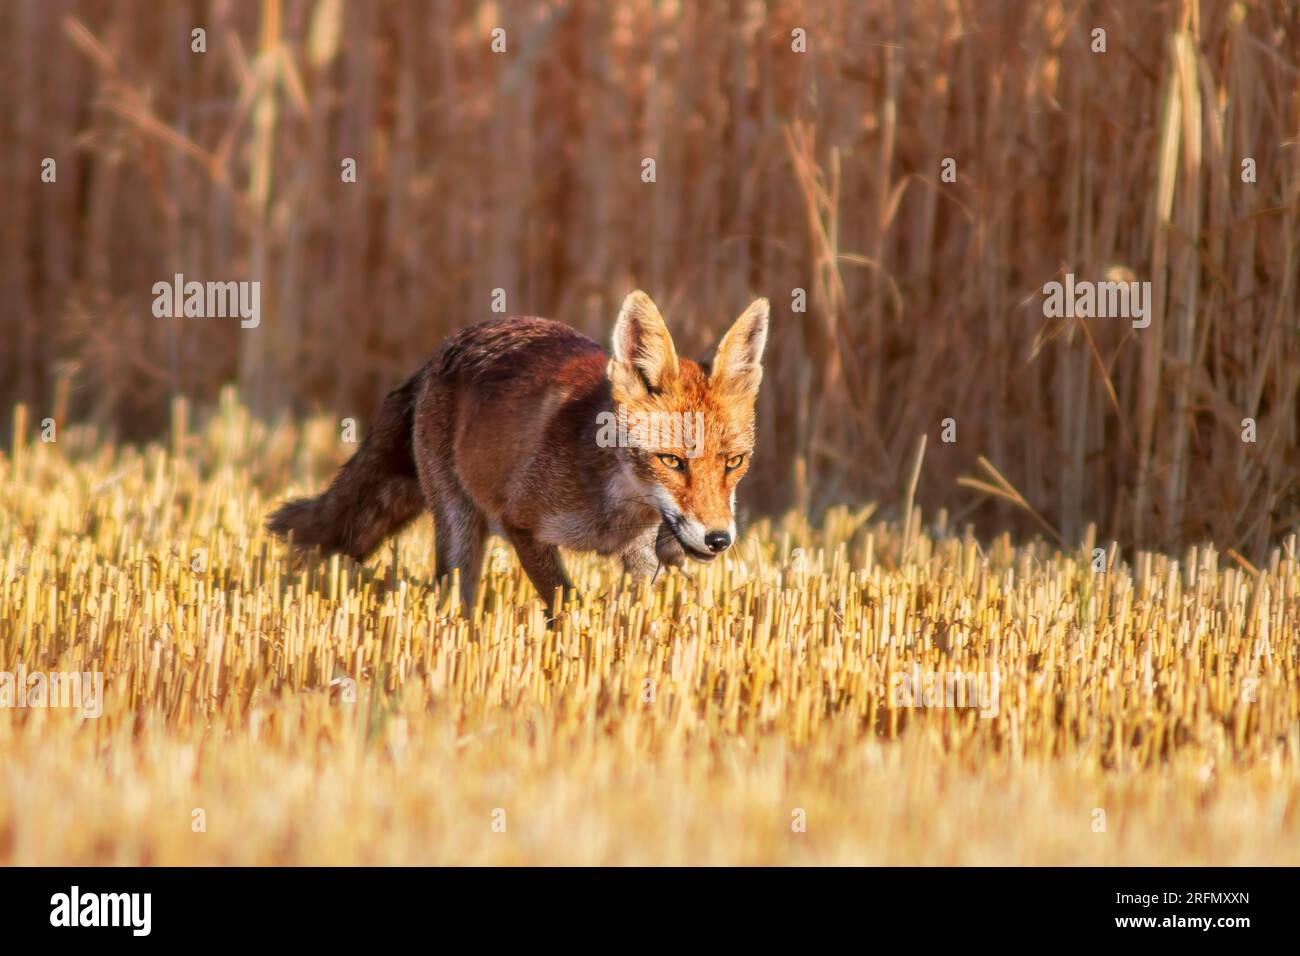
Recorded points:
(734,462)
(673,462)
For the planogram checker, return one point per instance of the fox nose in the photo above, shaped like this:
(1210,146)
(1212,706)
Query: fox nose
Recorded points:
(718,541)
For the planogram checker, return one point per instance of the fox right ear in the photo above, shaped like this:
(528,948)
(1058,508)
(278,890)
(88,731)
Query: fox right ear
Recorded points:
(644,357)
(738,366)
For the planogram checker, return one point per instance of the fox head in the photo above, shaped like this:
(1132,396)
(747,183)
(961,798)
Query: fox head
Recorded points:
(690,426)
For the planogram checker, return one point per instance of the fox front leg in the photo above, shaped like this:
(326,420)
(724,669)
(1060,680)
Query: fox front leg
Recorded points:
(542,564)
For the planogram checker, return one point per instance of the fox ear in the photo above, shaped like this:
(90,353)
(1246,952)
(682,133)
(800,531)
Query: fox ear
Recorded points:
(644,357)
(738,366)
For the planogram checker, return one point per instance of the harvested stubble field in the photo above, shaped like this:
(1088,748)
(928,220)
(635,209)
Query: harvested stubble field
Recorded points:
(345,714)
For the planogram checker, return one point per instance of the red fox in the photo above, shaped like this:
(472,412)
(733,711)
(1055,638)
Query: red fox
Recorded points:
(509,426)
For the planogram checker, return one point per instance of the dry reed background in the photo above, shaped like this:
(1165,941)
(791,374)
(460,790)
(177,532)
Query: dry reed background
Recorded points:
(776,171)
(1164,695)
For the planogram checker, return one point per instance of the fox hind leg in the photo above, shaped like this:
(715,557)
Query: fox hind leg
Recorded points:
(460,532)
(460,527)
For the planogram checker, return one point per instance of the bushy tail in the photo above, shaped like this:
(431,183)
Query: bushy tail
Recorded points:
(374,495)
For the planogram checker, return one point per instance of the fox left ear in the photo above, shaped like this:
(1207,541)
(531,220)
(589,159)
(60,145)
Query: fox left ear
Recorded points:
(738,366)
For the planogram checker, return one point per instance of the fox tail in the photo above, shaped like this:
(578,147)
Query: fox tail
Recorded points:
(374,495)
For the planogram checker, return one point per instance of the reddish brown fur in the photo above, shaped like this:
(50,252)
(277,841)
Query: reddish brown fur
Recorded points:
(501,429)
